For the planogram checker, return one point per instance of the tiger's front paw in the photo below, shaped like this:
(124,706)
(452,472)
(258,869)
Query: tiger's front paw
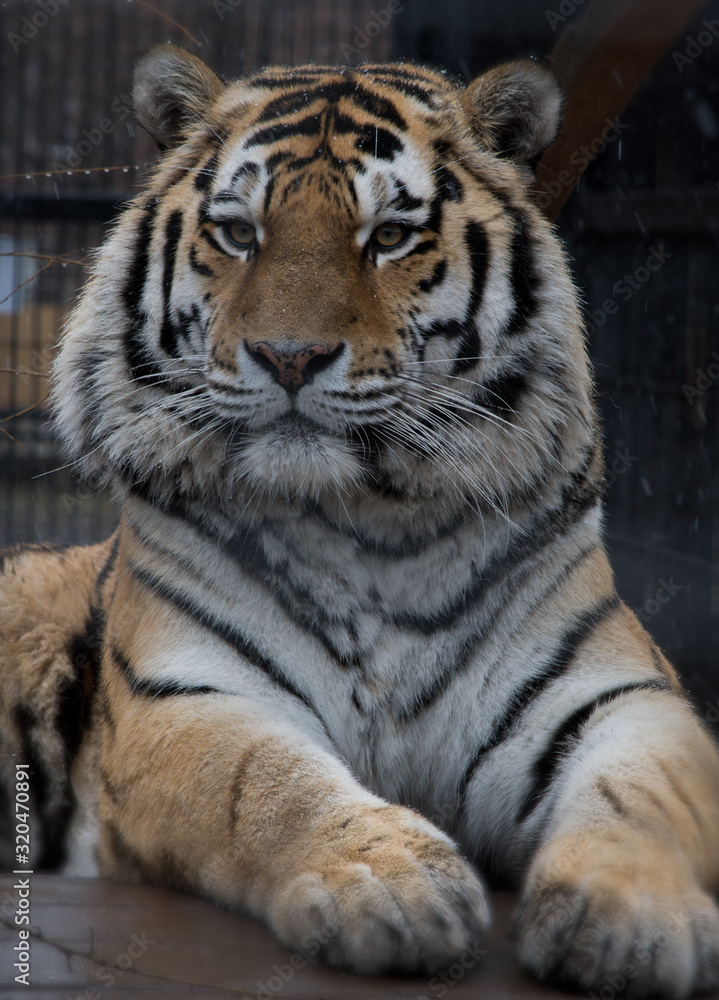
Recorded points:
(613,915)
(383,890)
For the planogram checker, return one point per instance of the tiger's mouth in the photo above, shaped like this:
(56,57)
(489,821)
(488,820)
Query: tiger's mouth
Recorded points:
(296,427)
(294,456)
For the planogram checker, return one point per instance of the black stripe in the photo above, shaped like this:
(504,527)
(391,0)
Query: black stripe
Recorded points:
(298,601)
(107,566)
(378,142)
(523,698)
(659,663)
(109,787)
(564,739)
(524,278)
(155,689)
(76,694)
(298,163)
(349,185)
(277,159)
(304,78)
(242,548)
(249,169)
(205,175)
(408,89)
(190,322)
(433,222)
(331,93)
(403,201)
(608,795)
(403,71)
(169,333)
(207,235)
(46,784)
(468,348)
(449,185)
(104,709)
(217,135)
(420,249)
(198,266)
(13,552)
(7,823)
(434,691)
(268,193)
(310,126)
(550,528)
(398,71)
(450,329)
(436,278)
(232,636)
(502,394)
(140,361)
(374,105)
(308,76)
(478,247)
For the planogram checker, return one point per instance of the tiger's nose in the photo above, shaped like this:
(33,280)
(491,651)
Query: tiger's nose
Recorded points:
(294,368)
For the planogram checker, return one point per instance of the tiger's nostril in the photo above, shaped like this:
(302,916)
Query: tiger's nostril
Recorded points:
(293,369)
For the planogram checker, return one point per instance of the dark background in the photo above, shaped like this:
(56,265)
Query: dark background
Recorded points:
(655,188)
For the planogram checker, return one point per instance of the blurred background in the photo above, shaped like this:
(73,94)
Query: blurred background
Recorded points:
(641,231)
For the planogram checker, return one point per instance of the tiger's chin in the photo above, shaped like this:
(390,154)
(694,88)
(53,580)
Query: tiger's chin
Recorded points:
(297,459)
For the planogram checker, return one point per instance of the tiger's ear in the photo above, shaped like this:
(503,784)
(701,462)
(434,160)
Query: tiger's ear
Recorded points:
(171,91)
(515,110)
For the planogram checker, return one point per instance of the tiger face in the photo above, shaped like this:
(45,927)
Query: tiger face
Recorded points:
(336,283)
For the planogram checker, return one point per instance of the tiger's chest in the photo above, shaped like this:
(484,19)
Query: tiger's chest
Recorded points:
(389,617)
(401,653)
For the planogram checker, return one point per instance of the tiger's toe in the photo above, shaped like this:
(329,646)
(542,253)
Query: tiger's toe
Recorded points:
(402,900)
(601,935)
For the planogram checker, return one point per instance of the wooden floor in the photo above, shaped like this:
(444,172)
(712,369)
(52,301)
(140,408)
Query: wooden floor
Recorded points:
(92,939)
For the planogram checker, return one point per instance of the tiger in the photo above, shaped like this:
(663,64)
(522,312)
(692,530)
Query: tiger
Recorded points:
(355,651)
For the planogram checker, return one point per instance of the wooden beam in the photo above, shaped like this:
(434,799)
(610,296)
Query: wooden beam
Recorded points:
(600,62)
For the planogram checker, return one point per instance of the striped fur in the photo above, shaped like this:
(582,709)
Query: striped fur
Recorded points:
(357,624)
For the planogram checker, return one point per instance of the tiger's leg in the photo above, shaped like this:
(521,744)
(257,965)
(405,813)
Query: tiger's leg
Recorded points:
(241,798)
(619,893)
(51,616)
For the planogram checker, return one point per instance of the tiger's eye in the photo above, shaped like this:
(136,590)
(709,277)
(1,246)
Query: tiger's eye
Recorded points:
(242,234)
(389,235)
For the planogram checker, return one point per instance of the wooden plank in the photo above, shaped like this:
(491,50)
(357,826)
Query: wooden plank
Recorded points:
(600,62)
(92,938)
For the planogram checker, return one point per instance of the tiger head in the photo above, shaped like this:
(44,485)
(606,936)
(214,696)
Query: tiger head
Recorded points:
(335,283)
